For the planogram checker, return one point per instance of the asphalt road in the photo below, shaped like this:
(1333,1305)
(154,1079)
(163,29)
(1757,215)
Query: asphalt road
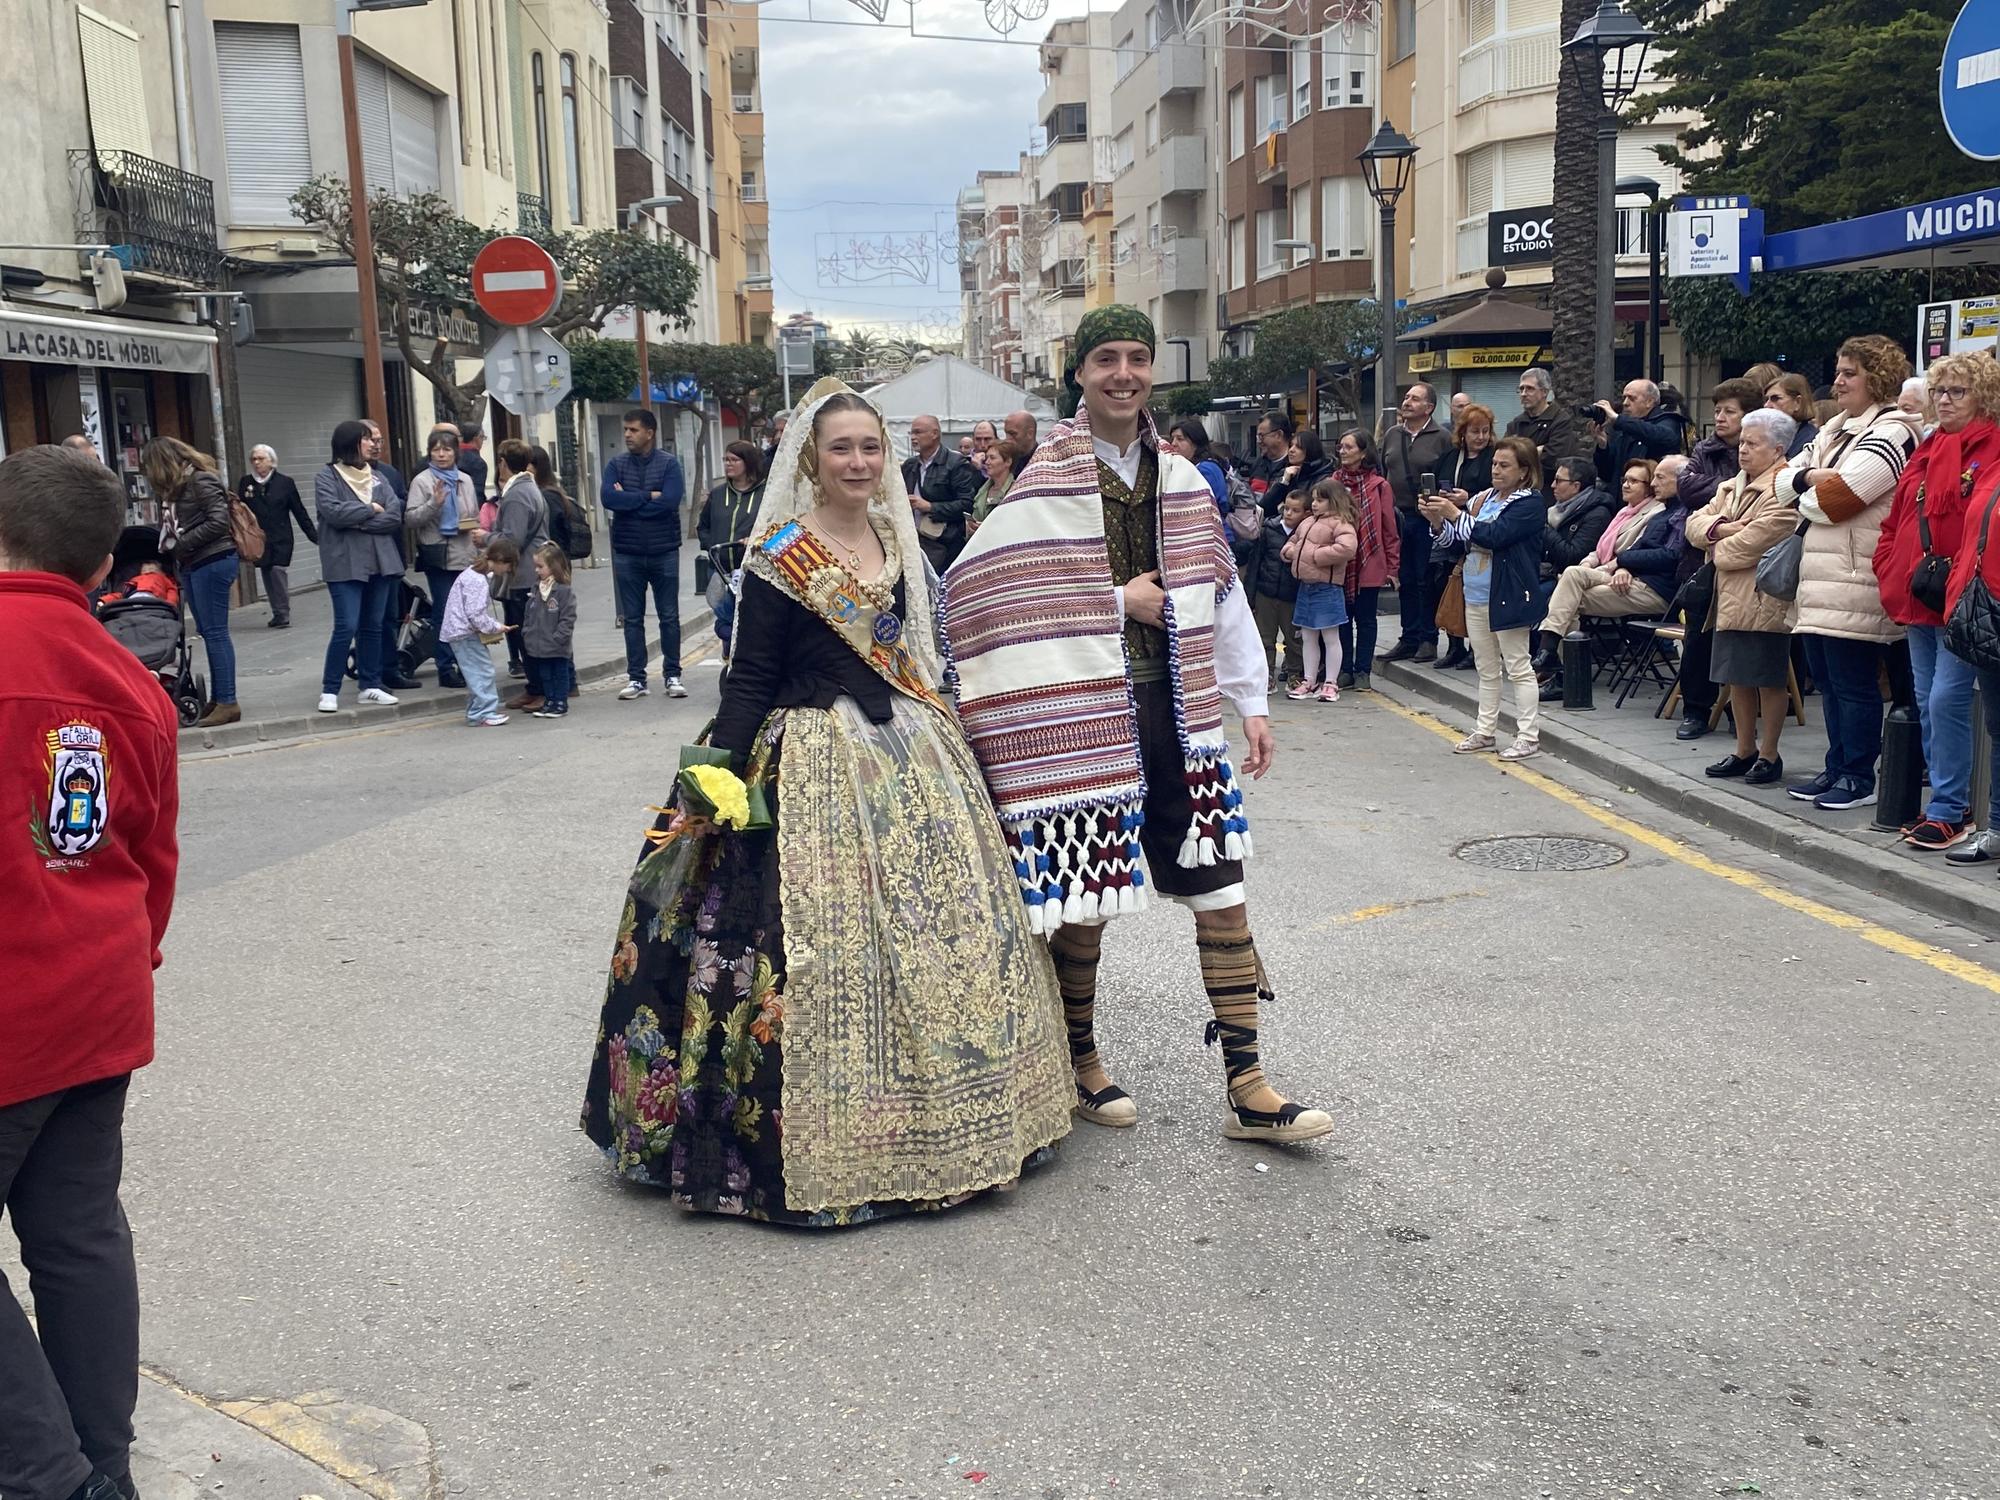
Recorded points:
(1666,1179)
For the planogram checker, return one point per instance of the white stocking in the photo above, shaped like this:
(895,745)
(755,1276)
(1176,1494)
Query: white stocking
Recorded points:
(1309,639)
(1332,640)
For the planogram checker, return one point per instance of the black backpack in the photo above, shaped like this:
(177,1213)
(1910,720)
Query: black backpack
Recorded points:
(569,527)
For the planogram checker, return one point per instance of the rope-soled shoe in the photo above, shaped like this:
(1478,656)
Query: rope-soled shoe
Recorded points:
(1281,1126)
(1109,1105)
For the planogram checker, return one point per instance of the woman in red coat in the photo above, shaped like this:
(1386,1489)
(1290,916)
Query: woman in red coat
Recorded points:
(1928,518)
(1379,553)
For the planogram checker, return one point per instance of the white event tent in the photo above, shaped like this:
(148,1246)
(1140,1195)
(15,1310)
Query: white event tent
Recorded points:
(957,393)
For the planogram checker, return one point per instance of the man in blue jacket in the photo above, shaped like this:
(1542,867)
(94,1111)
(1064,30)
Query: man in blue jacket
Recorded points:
(641,493)
(1642,430)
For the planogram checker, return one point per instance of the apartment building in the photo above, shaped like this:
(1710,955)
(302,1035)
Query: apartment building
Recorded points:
(990,292)
(99,160)
(1160,196)
(1482,100)
(1073,156)
(1298,224)
(743,246)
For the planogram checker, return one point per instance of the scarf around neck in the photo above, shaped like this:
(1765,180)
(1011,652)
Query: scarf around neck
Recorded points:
(1036,643)
(361,481)
(447,517)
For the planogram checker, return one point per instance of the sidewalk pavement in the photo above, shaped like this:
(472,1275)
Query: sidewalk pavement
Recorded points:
(1637,751)
(186,1447)
(278,671)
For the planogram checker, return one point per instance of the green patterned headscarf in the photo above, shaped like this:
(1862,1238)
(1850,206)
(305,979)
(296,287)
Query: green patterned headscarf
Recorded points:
(1101,325)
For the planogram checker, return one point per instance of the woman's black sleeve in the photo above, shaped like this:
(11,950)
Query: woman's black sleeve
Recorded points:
(756,667)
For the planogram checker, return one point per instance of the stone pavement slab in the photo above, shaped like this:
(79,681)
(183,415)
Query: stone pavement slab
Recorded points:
(278,671)
(187,1448)
(1636,750)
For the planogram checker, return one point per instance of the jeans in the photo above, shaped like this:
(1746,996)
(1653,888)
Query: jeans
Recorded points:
(67,1395)
(1944,709)
(439,581)
(1413,581)
(278,589)
(514,611)
(208,596)
(552,678)
(1849,678)
(357,622)
(1357,636)
(482,684)
(632,573)
(1989,708)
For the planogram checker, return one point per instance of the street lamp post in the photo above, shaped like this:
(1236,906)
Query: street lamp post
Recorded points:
(1386,163)
(1606,58)
(1645,187)
(632,212)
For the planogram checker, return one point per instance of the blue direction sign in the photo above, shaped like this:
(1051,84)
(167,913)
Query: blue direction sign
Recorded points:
(1969,80)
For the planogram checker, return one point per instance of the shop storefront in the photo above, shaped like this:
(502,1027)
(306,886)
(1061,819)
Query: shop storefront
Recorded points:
(1482,349)
(119,382)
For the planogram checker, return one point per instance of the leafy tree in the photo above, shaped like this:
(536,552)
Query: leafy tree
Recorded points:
(602,369)
(741,375)
(424,251)
(1190,400)
(1818,109)
(1339,338)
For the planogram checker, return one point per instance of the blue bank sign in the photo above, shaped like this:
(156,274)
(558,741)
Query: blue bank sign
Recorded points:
(1969,80)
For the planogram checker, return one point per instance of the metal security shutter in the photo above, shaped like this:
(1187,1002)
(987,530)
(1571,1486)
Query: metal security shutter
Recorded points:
(1527,173)
(293,401)
(263,119)
(413,118)
(1492,388)
(114,85)
(371,103)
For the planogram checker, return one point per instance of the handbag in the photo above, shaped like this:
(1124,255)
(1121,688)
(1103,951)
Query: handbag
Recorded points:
(434,557)
(1973,631)
(1931,577)
(1450,616)
(1778,568)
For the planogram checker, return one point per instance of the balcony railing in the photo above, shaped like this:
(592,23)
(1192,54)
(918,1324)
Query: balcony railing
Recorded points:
(160,219)
(1509,65)
(751,194)
(531,213)
(743,104)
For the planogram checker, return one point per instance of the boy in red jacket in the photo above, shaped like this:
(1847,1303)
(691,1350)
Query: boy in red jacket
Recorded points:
(87,753)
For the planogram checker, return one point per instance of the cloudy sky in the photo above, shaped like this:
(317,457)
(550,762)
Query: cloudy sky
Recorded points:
(871,132)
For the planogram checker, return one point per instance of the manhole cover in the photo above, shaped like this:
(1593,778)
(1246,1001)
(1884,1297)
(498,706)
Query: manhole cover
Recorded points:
(1540,852)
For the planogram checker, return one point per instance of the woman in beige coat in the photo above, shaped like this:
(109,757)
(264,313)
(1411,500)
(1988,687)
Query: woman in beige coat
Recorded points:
(1845,484)
(1751,655)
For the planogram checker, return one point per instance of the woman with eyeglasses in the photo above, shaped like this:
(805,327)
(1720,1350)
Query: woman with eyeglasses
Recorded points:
(1927,521)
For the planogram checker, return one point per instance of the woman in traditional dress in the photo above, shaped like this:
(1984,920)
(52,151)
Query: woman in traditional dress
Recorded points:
(844,1015)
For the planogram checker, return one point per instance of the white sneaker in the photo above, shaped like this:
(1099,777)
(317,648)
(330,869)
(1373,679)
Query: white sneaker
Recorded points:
(632,690)
(329,703)
(674,688)
(378,695)
(491,721)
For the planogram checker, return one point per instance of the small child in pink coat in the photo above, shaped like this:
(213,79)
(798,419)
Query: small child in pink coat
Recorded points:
(1319,552)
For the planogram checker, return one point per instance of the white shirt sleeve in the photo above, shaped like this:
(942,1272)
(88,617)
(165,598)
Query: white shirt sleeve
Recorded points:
(1239,657)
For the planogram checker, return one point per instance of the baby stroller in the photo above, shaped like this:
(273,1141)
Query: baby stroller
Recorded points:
(416,634)
(150,627)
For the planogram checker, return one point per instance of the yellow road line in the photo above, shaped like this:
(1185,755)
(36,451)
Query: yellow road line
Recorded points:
(1389,909)
(1882,937)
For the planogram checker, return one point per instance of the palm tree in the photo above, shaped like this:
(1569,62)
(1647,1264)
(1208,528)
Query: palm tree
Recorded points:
(907,350)
(861,349)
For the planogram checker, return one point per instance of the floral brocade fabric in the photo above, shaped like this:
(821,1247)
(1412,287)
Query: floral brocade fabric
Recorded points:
(843,1017)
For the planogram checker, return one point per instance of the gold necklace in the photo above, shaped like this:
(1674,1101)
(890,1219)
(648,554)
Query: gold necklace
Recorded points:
(882,591)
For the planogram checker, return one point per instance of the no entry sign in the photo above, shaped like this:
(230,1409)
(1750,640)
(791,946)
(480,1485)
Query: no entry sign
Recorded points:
(515,281)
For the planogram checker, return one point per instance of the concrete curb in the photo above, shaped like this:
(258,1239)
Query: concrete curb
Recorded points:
(1976,906)
(187,1447)
(697,636)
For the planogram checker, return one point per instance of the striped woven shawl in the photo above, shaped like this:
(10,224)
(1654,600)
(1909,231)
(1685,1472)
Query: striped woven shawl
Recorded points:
(1037,646)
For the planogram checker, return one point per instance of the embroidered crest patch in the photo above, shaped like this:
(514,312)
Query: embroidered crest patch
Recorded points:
(78,809)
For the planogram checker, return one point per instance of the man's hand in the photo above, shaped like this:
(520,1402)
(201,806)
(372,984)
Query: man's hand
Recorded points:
(617,486)
(1260,749)
(1146,601)
(920,505)
(1622,581)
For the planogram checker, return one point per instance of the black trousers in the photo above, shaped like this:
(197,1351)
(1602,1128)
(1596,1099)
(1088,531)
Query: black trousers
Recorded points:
(67,1397)
(1697,692)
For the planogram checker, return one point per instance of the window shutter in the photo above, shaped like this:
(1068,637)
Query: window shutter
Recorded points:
(1479,21)
(1527,173)
(114,86)
(1476,176)
(413,118)
(1357,217)
(1526,15)
(371,103)
(263,119)
(1637,157)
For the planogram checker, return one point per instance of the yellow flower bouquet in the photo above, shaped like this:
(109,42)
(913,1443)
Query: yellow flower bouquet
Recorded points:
(712,792)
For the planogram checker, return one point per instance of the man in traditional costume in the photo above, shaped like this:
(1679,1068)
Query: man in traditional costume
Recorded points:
(1095,625)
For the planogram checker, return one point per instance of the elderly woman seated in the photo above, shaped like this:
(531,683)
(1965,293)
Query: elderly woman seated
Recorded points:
(1631,571)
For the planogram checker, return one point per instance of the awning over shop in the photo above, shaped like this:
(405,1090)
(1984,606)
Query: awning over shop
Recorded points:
(58,339)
